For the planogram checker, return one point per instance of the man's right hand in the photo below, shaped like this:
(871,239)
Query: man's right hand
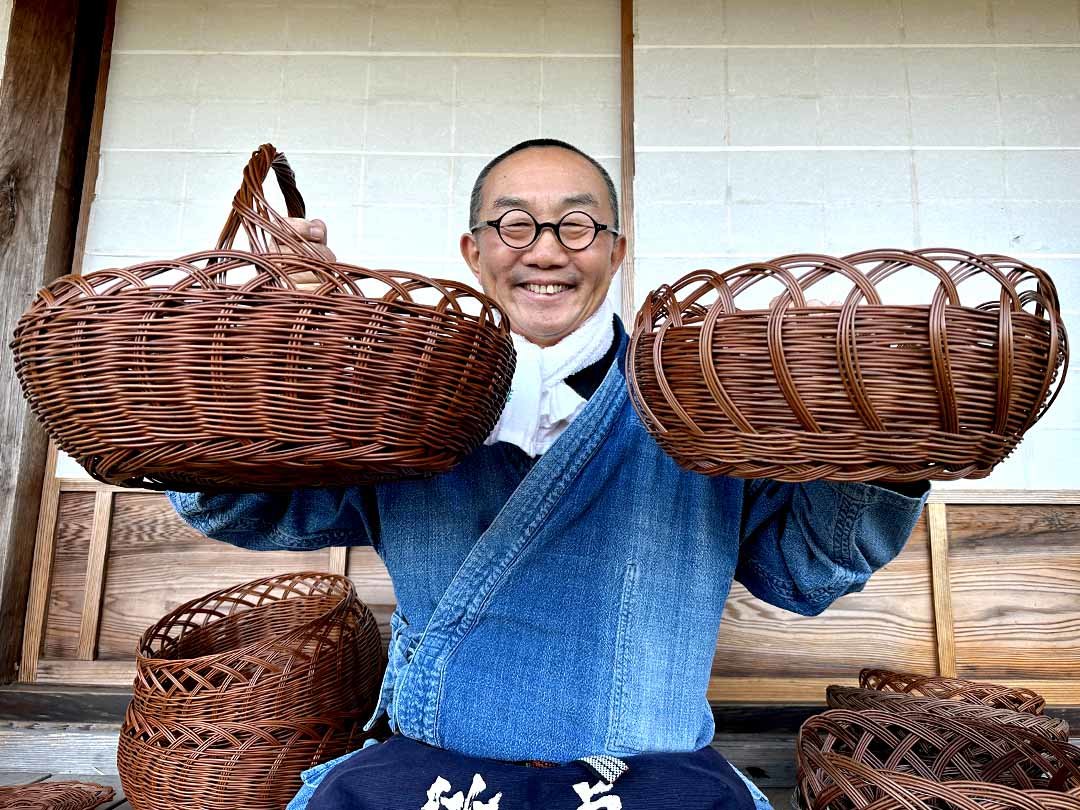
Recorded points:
(312,231)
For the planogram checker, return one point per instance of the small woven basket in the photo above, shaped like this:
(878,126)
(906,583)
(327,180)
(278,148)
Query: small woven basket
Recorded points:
(985,694)
(847,697)
(863,391)
(300,643)
(54,796)
(214,371)
(971,758)
(239,691)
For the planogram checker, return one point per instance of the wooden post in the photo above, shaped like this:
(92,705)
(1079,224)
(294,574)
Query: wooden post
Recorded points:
(627,163)
(46,112)
(938,526)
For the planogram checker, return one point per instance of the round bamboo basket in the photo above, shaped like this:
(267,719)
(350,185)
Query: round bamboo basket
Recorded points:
(847,697)
(731,384)
(54,796)
(289,645)
(993,695)
(846,758)
(237,692)
(220,371)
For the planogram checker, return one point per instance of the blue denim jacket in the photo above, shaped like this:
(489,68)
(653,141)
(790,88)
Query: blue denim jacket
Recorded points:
(571,607)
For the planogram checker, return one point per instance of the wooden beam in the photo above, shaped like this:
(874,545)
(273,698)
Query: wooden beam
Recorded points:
(627,163)
(1005,497)
(47,101)
(64,672)
(41,573)
(941,584)
(95,575)
(1063,692)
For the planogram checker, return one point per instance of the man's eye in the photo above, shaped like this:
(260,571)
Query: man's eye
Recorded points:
(517,227)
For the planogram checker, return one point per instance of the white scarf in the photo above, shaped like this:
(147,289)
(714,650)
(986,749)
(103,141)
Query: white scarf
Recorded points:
(541,405)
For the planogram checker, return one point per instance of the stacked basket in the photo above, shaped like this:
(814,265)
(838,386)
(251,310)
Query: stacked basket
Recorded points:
(911,742)
(238,692)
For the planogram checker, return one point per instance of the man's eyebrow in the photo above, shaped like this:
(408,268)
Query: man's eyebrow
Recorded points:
(509,202)
(585,198)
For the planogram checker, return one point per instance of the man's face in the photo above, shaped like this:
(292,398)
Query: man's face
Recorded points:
(547,290)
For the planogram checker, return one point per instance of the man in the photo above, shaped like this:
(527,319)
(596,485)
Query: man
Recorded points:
(560,591)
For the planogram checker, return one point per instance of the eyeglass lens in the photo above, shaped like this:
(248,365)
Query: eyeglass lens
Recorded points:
(519,229)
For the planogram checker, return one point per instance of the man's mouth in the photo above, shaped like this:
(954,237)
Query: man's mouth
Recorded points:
(547,289)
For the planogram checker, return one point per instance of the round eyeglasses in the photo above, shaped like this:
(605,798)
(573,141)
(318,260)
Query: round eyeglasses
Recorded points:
(519,229)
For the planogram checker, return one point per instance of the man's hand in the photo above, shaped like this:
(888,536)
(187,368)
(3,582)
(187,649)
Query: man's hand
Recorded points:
(312,231)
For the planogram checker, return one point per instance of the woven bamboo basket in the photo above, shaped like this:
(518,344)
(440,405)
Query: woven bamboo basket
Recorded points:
(847,697)
(54,796)
(301,644)
(970,757)
(985,694)
(239,691)
(215,371)
(866,390)
(213,766)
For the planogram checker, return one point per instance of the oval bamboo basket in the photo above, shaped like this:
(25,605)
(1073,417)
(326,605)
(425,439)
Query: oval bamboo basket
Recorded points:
(865,390)
(994,695)
(216,371)
(54,796)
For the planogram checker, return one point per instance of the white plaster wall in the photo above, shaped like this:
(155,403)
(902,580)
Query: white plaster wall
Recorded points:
(838,125)
(5,19)
(386,110)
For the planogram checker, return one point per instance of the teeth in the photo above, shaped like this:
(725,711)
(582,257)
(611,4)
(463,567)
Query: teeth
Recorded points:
(547,289)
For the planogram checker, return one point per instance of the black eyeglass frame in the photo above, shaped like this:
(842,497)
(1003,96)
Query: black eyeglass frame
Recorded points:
(539,229)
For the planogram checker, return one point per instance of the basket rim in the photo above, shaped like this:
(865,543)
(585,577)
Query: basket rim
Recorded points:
(348,597)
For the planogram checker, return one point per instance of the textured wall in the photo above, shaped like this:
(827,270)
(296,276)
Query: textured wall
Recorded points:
(838,125)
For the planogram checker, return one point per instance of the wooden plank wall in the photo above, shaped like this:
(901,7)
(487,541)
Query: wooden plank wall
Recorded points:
(1012,585)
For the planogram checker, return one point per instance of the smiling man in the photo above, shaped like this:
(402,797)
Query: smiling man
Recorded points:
(560,591)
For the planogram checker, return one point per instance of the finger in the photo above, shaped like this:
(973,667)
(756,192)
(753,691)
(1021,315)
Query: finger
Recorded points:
(313,230)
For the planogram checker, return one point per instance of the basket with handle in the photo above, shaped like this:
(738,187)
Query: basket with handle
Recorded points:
(865,390)
(216,371)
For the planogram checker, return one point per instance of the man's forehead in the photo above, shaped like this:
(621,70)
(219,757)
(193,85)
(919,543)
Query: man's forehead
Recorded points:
(544,177)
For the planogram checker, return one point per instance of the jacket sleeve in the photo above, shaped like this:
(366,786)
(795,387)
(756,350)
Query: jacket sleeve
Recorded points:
(301,520)
(803,546)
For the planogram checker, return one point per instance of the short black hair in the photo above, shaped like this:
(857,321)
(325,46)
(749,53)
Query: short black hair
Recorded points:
(475,201)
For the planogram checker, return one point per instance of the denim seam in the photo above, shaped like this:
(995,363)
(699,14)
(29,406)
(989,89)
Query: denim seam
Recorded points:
(575,459)
(620,690)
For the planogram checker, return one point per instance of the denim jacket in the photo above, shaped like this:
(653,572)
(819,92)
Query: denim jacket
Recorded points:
(570,607)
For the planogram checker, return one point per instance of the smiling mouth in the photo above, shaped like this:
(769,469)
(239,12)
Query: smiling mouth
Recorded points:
(547,289)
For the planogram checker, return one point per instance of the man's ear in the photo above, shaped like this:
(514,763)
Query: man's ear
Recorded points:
(470,252)
(618,253)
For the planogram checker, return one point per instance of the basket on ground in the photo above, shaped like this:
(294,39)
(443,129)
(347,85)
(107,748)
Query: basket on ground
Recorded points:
(1018,699)
(848,697)
(217,371)
(847,759)
(237,692)
(54,796)
(796,390)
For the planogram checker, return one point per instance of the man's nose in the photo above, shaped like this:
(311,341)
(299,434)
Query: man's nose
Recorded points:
(547,250)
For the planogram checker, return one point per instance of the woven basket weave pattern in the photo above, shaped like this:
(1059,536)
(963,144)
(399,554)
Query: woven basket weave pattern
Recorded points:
(856,392)
(239,691)
(985,694)
(54,796)
(847,757)
(214,371)
(846,697)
